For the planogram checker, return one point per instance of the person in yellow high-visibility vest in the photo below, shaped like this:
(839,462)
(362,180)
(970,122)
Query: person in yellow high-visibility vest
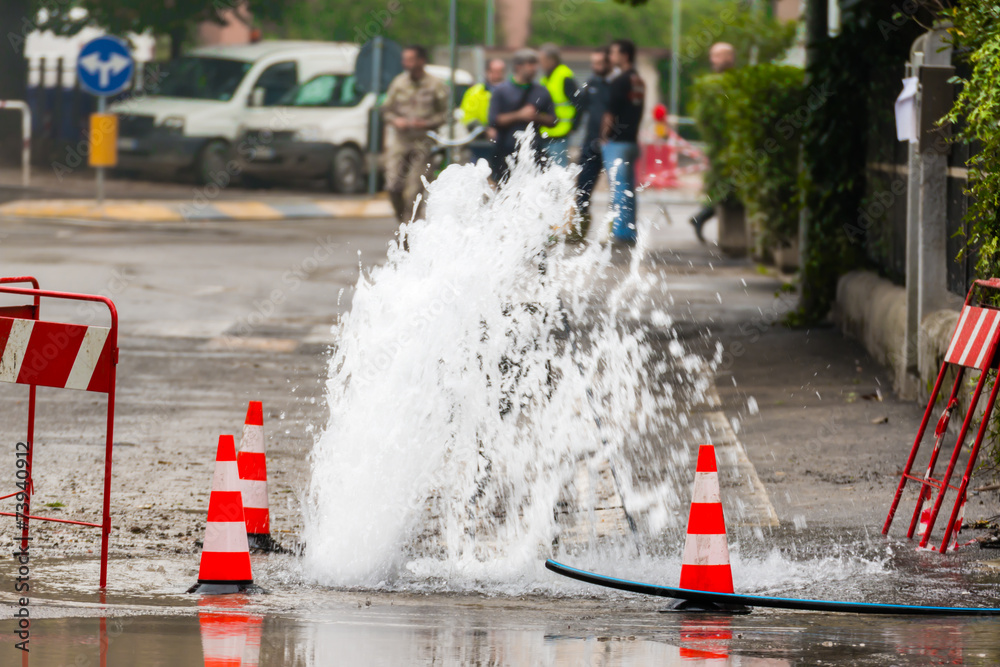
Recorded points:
(475,108)
(558,79)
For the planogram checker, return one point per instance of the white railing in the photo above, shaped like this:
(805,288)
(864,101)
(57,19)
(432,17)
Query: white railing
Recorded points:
(18,105)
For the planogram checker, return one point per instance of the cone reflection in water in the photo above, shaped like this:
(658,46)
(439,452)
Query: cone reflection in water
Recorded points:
(706,640)
(229,638)
(705,566)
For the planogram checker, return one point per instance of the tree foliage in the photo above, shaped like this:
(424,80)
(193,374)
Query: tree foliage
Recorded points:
(858,70)
(404,22)
(751,120)
(976,28)
(175,18)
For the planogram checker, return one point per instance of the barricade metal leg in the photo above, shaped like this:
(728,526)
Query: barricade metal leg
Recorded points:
(954,456)
(913,450)
(969,467)
(31,483)
(939,434)
(109,446)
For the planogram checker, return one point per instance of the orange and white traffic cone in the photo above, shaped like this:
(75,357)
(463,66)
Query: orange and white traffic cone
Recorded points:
(705,566)
(225,554)
(252,464)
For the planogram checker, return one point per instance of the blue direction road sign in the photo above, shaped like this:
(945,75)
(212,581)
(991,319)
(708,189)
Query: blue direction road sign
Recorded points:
(105,66)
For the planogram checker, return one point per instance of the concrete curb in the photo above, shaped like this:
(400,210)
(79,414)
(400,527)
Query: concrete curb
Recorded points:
(189,211)
(873,310)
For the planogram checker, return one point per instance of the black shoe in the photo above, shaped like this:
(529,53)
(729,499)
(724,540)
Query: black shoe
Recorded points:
(698,224)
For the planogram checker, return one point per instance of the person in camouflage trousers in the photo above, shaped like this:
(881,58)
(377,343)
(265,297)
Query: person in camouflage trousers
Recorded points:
(415,103)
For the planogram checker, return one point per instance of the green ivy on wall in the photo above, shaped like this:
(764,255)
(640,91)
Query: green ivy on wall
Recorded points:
(751,120)
(859,71)
(976,114)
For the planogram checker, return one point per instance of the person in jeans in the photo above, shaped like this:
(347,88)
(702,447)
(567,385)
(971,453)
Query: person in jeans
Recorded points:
(593,103)
(620,132)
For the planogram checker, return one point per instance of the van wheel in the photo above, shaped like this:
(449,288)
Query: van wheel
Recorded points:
(211,166)
(347,172)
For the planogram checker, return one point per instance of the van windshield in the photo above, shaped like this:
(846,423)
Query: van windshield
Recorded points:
(325,90)
(203,78)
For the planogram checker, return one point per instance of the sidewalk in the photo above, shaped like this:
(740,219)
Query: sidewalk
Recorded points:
(197,210)
(815,412)
(71,197)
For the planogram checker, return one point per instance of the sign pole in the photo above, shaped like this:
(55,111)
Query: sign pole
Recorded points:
(104,68)
(453,64)
(101,107)
(374,125)
(675,63)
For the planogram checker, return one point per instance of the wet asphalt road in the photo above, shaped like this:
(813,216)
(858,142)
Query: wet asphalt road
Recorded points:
(217,314)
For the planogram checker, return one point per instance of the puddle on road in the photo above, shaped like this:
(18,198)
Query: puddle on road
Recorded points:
(359,629)
(147,619)
(497,399)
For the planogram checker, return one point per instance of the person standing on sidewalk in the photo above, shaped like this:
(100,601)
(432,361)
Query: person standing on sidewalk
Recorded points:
(722,57)
(475,107)
(593,103)
(620,132)
(516,104)
(415,103)
(558,80)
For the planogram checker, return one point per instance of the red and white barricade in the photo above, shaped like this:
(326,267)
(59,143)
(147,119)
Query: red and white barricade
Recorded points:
(973,346)
(38,353)
(659,162)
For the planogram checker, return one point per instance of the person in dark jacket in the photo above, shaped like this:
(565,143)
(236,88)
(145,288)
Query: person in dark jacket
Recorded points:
(514,106)
(593,102)
(621,138)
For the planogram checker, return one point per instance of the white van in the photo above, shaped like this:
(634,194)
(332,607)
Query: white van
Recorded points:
(189,120)
(320,131)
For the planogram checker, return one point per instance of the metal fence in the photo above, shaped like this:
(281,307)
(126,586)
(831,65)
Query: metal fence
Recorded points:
(60,110)
(961,256)
(886,204)
(886,197)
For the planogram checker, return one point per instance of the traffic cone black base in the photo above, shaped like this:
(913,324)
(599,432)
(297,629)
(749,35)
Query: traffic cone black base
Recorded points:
(706,608)
(226,588)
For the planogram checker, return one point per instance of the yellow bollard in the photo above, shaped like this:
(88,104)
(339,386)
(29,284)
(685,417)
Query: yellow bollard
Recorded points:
(103,140)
